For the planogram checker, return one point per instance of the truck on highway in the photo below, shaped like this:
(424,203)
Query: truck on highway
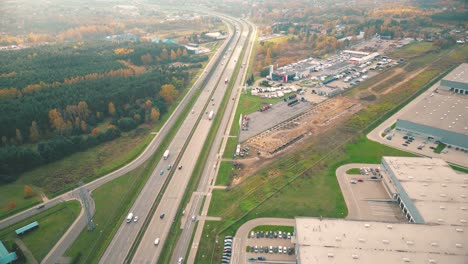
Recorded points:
(166,154)
(129,217)
(210,116)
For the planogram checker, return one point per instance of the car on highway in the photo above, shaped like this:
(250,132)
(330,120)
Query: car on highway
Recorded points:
(161,215)
(181,259)
(40,207)
(193,218)
(135,219)
(169,167)
(180,167)
(156,241)
(161,172)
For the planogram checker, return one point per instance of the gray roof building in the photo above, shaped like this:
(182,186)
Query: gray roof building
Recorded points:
(457,80)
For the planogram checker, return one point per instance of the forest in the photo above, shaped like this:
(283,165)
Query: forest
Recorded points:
(54,97)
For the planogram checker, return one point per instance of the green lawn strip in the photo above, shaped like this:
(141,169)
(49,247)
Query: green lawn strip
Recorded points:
(354,171)
(266,228)
(458,168)
(53,223)
(224,173)
(439,148)
(14,194)
(230,148)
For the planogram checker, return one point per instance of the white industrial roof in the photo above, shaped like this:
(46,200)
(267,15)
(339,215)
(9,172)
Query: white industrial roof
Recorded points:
(443,110)
(438,192)
(459,74)
(345,241)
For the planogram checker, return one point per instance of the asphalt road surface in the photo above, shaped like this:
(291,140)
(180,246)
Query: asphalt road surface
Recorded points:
(209,173)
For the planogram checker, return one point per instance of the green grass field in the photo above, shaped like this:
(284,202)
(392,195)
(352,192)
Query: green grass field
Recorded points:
(53,223)
(353,171)
(225,173)
(265,228)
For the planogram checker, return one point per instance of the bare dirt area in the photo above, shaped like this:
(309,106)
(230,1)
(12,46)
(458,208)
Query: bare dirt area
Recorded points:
(313,122)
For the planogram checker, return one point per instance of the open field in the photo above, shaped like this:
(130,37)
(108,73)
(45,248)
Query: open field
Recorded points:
(53,223)
(225,173)
(413,50)
(304,183)
(60,176)
(274,228)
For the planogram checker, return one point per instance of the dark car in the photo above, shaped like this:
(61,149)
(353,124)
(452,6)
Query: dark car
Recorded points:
(404,144)
(161,216)
(251,259)
(261,258)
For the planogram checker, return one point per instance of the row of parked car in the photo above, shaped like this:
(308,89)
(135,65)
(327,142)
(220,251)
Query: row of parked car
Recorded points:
(271,249)
(270,234)
(227,253)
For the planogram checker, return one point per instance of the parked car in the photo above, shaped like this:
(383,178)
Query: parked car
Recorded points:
(261,258)
(251,259)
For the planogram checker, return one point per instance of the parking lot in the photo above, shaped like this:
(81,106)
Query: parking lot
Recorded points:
(270,246)
(366,197)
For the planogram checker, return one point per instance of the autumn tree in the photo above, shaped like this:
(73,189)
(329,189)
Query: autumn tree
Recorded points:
(173,55)
(95,131)
(164,54)
(155,114)
(111,109)
(34,134)
(28,192)
(56,120)
(19,137)
(268,57)
(83,110)
(169,93)
(11,205)
(83,126)
(146,59)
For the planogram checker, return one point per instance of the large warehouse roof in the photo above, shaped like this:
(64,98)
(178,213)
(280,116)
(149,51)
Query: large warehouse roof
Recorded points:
(438,192)
(459,74)
(442,110)
(344,241)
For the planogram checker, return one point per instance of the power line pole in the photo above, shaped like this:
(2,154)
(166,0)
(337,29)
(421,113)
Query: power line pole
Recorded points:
(85,199)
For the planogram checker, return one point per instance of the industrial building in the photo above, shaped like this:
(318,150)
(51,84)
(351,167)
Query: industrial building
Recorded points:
(5,256)
(457,80)
(443,115)
(431,195)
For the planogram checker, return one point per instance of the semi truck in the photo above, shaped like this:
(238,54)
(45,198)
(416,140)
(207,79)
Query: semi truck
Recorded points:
(210,116)
(129,217)
(166,154)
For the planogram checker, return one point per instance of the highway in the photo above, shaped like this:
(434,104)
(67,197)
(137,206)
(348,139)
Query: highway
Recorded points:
(209,174)
(125,237)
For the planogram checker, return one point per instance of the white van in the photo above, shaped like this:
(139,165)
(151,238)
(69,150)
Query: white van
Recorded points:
(156,241)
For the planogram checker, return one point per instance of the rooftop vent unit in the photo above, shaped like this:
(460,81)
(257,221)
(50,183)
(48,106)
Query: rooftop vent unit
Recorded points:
(460,230)
(389,226)
(355,256)
(406,259)
(385,241)
(434,244)
(459,245)
(367,225)
(432,261)
(330,255)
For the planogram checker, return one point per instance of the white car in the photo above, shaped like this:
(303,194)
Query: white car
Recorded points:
(135,219)
(156,241)
(193,218)
(180,260)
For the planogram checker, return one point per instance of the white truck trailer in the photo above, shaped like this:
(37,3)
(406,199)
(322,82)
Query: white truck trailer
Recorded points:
(166,154)
(129,217)
(211,115)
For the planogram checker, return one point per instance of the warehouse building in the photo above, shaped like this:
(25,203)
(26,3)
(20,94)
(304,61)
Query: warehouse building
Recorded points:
(432,196)
(441,116)
(457,80)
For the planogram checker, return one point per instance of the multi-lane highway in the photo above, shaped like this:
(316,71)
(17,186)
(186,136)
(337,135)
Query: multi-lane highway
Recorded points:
(212,164)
